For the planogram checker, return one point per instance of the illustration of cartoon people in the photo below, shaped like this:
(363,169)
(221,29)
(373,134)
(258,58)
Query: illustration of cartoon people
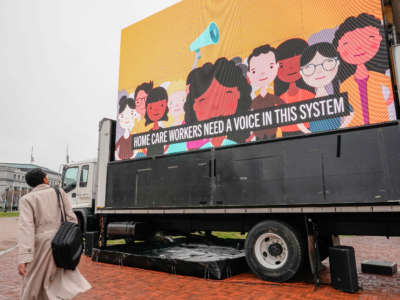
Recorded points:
(289,85)
(177,91)
(217,90)
(319,67)
(360,43)
(141,93)
(126,120)
(156,111)
(156,107)
(196,144)
(176,100)
(262,71)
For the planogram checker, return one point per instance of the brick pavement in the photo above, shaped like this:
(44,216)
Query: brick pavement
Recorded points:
(112,282)
(8,235)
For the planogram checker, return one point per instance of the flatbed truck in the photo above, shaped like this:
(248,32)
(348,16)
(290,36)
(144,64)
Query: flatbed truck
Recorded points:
(293,196)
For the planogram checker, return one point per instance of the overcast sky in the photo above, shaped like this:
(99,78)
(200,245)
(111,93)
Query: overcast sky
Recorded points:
(59,62)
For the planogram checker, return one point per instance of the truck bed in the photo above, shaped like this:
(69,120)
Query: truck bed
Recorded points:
(349,168)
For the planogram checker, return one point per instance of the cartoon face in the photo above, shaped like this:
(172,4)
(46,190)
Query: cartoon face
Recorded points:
(216,101)
(263,70)
(360,45)
(140,102)
(156,110)
(320,71)
(176,102)
(289,69)
(127,118)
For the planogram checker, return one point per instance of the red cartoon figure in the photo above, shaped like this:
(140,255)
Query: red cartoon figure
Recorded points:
(156,107)
(289,85)
(156,110)
(359,41)
(217,90)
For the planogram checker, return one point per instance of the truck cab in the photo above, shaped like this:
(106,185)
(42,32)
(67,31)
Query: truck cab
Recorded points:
(78,181)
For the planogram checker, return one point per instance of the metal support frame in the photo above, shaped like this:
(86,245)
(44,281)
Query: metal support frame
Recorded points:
(102,241)
(313,251)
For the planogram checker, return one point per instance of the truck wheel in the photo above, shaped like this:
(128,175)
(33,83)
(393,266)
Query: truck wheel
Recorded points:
(274,251)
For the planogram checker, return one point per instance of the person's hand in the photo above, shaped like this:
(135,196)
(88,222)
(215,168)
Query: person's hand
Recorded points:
(22,269)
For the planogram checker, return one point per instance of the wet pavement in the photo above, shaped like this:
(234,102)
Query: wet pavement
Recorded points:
(116,282)
(111,282)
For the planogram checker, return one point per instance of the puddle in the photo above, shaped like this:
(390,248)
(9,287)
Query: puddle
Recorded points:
(196,253)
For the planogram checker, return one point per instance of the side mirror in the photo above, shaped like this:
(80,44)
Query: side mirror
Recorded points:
(69,187)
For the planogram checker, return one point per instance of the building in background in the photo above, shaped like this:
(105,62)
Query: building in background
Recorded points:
(13,185)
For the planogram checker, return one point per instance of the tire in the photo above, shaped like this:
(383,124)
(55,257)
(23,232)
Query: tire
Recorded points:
(274,251)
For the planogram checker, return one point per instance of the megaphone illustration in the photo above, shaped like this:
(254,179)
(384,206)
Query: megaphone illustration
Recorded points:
(209,36)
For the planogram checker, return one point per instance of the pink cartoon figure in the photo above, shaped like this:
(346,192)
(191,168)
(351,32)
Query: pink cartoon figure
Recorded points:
(360,43)
(141,93)
(156,111)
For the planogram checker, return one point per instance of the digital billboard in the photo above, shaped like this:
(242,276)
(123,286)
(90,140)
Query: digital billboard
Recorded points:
(204,74)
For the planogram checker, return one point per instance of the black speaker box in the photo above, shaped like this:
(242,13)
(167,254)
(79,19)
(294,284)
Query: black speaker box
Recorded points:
(91,238)
(342,263)
(379,267)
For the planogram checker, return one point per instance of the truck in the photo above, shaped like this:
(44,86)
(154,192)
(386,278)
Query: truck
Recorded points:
(292,192)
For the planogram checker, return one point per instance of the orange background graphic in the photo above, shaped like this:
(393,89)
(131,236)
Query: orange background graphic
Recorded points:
(157,48)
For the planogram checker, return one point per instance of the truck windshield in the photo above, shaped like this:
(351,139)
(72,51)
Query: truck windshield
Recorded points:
(70,176)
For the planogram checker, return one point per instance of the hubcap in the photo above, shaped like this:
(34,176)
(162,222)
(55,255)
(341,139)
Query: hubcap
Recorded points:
(275,249)
(271,250)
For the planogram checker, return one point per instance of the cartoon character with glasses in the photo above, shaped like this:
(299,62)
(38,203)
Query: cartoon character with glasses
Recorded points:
(319,67)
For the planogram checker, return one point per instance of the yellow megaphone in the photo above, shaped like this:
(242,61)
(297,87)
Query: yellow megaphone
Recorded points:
(209,36)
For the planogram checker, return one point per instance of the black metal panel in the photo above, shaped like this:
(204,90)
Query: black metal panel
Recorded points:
(358,175)
(354,166)
(250,175)
(169,181)
(289,172)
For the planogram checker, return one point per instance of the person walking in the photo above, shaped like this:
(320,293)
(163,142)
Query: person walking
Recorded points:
(39,220)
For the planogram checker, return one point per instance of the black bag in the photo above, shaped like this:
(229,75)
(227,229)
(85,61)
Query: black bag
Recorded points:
(67,244)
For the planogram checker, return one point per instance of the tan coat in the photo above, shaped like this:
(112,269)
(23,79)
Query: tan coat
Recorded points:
(39,220)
